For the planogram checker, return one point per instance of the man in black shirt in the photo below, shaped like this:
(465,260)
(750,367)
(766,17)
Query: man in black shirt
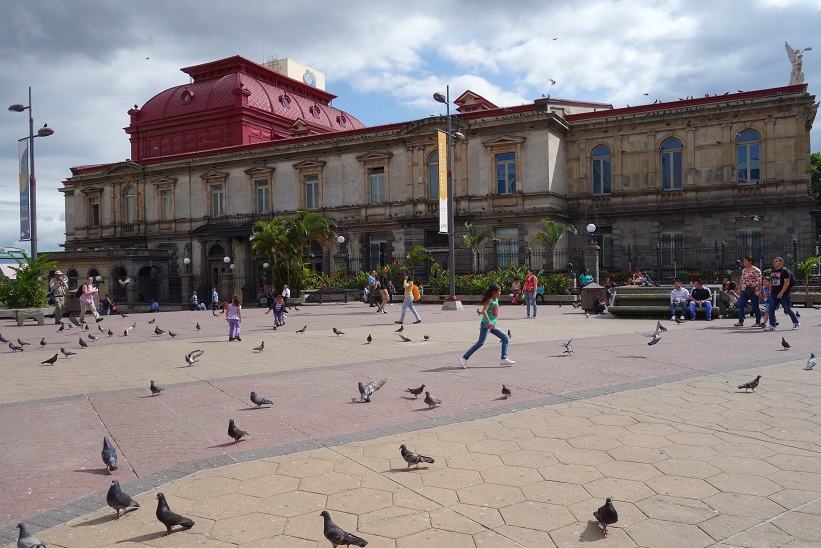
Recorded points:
(383,289)
(701,296)
(781,280)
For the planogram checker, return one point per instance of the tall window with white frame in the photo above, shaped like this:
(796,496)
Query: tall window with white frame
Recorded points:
(507,247)
(130,205)
(748,156)
(167,204)
(433,176)
(312,192)
(601,170)
(94,210)
(750,239)
(376,180)
(672,176)
(217,198)
(263,201)
(506,173)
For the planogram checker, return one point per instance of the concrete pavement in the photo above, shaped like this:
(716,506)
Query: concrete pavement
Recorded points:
(660,429)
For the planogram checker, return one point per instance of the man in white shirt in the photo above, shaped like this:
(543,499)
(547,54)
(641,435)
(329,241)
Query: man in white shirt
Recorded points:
(678,297)
(286,294)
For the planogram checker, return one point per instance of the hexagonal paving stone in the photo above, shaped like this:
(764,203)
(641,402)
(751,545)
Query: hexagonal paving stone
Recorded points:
(645,440)
(520,536)
(682,510)
(647,455)
(744,465)
(247,528)
(744,484)
(224,506)
(492,447)
(451,478)
(474,461)
(447,520)
(651,428)
(590,531)
(293,504)
(398,526)
(687,468)
(554,492)
(765,534)
(628,470)
(543,445)
(556,432)
(797,480)
(679,451)
(613,420)
(651,532)
(488,517)
(446,449)
(590,457)
(677,486)
(281,541)
(305,468)
(806,527)
(723,525)
(628,490)
(459,435)
(360,501)
(589,441)
(744,505)
(248,470)
(697,439)
(506,433)
(435,537)
(570,473)
(515,476)
(494,496)
(537,515)
(529,459)
(198,488)
(268,485)
(797,463)
(332,482)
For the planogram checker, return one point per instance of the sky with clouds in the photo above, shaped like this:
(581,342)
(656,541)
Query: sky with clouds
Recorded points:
(89,61)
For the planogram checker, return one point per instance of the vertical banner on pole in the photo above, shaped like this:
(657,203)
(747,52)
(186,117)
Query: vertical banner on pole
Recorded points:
(443,181)
(25,217)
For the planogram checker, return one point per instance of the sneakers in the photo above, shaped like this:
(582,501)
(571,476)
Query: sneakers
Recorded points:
(680,318)
(507,361)
(384,311)
(769,328)
(463,362)
(739,324)
(98,319)
(237,338)
(420,321)
(398,321)
(709,318)
(230,339)
(693,319)
(795,326)
(673,318)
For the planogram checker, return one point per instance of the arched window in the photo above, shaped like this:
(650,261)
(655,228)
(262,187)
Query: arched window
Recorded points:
(130,206)
(672,177)
(601,170)
(748,154)
(433,176)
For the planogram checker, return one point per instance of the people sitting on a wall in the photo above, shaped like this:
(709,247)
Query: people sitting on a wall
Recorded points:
(585,277)
(638,278)
(195,301)
(727,298)
(155,306)
(113,305)
(516,291)
(701,296)
(679,298)
(600,307)
(106,306)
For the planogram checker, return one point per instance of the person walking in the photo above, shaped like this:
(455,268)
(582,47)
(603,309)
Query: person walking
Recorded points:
(408,300)
(286,294)
(750,291)
(215,299)
(234,317)
(490,313)
(58,285)
(279,311)
(781,282)
(384,281)
(88,300)
(531,285)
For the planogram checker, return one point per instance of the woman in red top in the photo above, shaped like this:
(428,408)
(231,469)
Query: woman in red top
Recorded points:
(531,283)
(750,291)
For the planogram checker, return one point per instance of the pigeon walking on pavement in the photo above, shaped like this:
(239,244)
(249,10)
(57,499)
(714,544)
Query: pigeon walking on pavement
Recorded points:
(23,343)
(191,357)
(404,338)
(119,500)
(15,348)
(152,320)
(784,344)
(606,515)
(50,361)
(337,332)
(401,329)
(172,334)
(43,342)
(432,400)
(235,432)
(811,362)
(26,540)
(198,326)
(259,400)
(154,389)
(506,392)
(92,337)
(62,327)
(110,333)
(301,331)
(3,339)
(83,344)
(369,339)
(100,329)
(660,327)
(752,385)
(259,348)
(158,331)
(656,339)
(66,352)
(109,455)
(416,391)
(367,390)
(568,346)
(413,458)
(169,518)
(337,536)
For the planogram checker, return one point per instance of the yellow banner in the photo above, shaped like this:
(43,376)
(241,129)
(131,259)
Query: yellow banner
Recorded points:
(443,181)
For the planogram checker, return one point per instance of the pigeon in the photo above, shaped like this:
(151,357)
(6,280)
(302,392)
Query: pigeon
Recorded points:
(479,311)
(431,400)
(413,458)
(259,348)
(26,540)
(752,385)
(369,339)
(338,332)
(119,500)
(132,326)
(123,315)
(66,352)
(401,329)
(811,361)
(191,357)
(367,390)
(606,515)
(404,338)
(50,361)
(169,518)
(416,391)
(86,327)
(23,343)
(62,327)
(214,313)
(158,331)
(198,326)
(295,307)
(235,432)
(73,320)
(154,389)
(125,332)
(15,348)
(337,536)
(784,344)
(660,327)
(656,339)
(678,321)
(509,335)
(3,339)
(43,342)
(172,334)
(586,314)
(506,392)
(92,337)
(100,328)
(300,331)
(111,333)
(124,282)
(259,400)
(83,344)
(152,320)
(426,337)
(577,304)
(568,347)
(109,455)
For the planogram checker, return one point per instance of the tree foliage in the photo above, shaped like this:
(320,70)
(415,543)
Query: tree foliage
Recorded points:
(28,289)
(473,239)
(815,167)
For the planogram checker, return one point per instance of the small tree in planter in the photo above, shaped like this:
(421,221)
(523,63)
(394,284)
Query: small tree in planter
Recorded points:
(551,235)
(473,239)
(806,269)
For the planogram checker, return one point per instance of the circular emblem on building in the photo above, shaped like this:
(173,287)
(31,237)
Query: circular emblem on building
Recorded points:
(309,78)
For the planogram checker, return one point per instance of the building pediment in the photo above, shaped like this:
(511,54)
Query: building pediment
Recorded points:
(213,175)
(123,168)
(375,156)
(504,141)
(309,164)
(164,181)
(260,171)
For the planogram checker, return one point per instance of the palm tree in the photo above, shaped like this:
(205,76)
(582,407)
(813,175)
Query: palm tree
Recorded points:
(268,238)
(473,239)
(551,234)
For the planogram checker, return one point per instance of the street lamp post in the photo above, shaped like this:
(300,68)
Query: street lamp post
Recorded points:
(44,131)
(451,303)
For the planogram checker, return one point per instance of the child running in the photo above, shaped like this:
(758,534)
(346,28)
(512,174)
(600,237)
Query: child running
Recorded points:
(279,311)
(234,317)
(490,312)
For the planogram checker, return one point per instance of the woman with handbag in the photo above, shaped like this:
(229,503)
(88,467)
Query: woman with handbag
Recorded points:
(750,292)
(531,284)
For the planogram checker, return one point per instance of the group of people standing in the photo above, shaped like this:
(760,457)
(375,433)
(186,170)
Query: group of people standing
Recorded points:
(88,294)
(774,290)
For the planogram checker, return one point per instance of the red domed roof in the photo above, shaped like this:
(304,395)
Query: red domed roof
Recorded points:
(231,102)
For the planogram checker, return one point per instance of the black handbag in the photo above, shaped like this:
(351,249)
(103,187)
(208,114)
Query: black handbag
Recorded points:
(749,291)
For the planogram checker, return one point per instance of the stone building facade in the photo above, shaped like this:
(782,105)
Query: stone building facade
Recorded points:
(675,176)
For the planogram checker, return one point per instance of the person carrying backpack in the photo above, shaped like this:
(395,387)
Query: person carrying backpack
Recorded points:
(408,301)
(88,295)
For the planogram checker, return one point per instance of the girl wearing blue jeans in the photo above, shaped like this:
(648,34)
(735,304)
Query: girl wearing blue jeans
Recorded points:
(407,302)
(490,312)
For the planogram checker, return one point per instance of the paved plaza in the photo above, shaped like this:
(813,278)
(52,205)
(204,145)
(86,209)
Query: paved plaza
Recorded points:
(688,459)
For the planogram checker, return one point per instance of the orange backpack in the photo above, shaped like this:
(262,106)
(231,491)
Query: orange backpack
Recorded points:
(416,294)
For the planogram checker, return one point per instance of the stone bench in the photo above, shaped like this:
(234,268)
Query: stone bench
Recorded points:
(29,314)
(332,294)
